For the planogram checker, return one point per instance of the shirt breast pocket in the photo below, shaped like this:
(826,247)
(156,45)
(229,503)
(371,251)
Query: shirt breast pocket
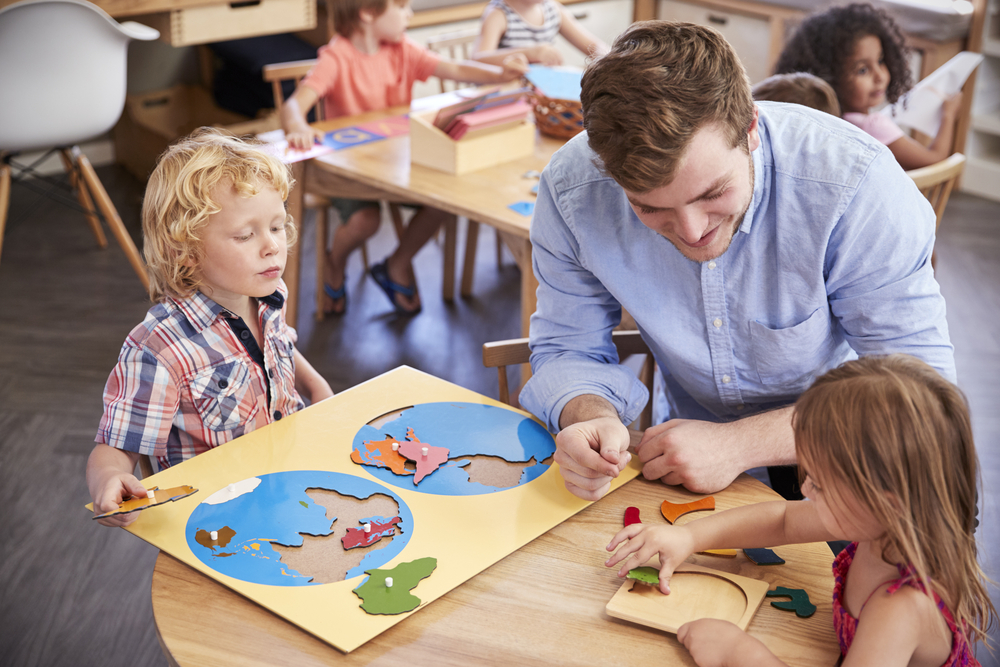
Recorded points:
(783,356)
(220,394)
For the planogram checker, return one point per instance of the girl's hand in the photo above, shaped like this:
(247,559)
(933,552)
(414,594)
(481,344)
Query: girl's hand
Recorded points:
(514,67)
(715,643)
(673,544)
(546,54)
(949,110)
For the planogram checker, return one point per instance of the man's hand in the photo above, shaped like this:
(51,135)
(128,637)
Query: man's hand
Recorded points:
(590,454)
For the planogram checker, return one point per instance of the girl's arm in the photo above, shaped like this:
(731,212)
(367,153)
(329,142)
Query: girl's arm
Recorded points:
(911,154)
(715,643)
(494,26)
(308,381)
(293,118)
(761,525)
(470,71)
(579,36)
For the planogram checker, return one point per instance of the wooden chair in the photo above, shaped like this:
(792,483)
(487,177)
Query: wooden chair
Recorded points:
(936,182)
(503,353)
(457,45)
(276,74)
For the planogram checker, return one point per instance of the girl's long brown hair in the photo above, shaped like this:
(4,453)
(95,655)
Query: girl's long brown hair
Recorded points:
(897,436)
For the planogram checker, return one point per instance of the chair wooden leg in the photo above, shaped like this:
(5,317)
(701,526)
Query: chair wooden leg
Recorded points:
(499,250)
(448,278)
(83,197)
(469,268)
(321,245)
(110,214)
(502,384)
(4,199)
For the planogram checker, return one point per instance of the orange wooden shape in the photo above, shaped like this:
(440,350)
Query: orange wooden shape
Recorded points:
(671,511)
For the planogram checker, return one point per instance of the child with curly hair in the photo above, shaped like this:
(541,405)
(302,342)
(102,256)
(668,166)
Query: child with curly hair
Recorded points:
(860,51)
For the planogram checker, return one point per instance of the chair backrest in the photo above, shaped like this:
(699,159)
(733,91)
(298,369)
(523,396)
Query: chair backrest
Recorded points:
(936,181)
(62,72)
(455,45)
(277,73)
(503,353)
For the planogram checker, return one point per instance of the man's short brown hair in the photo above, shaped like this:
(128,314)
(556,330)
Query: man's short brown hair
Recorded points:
(645,100)
(345,15)
(798,88)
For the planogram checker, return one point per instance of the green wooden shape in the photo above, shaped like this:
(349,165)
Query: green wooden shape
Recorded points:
(645,574)
(304,504)
(377,598)
(799,602)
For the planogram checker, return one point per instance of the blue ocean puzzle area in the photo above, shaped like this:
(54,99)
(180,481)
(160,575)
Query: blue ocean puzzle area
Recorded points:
(465,429)
(279,510)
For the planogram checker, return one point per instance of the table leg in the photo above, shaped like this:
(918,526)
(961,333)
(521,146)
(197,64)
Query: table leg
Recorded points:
(448,279)
(469,269)
(295,209)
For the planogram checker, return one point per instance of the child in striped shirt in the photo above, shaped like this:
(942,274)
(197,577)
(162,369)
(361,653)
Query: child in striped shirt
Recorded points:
(530,27)
(214,358)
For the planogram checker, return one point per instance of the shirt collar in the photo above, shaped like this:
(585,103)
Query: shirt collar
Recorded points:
(758,187)
(201,311)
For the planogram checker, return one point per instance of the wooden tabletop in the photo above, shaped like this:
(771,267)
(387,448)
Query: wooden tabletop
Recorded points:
(542,605)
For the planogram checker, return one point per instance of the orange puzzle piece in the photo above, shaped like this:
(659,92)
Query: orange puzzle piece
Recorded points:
(671,511)
(136,503)
(382,454)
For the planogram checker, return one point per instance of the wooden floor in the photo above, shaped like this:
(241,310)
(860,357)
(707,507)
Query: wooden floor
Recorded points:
(74,593)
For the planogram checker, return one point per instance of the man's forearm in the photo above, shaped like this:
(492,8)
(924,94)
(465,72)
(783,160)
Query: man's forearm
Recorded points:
(584,408)
(767,438)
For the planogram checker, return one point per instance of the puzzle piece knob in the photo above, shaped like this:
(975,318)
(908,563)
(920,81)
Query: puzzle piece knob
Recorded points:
(388,582)
(215,535)
(423,451)
(368,528)
(151,494)
(395,446)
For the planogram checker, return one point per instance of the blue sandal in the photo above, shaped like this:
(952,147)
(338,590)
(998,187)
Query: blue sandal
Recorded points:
(336,295)
(380,273)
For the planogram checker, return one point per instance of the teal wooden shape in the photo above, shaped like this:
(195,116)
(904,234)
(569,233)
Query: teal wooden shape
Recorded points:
(799,602)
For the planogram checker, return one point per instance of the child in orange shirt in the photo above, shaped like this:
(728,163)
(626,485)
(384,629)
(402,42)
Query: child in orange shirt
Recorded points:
(369,65)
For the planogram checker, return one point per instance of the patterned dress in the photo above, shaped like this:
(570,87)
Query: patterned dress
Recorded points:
(520,34)
(846,625)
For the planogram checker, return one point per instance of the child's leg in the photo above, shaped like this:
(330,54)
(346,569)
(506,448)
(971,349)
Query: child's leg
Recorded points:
(399,265)
(361,225)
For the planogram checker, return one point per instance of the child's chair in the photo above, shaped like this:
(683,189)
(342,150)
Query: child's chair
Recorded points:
(503,353)
(277,74)
(936,181)
(62,73)
(457,45)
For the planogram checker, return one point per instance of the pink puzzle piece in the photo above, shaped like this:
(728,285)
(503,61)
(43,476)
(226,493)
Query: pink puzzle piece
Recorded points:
(427,457)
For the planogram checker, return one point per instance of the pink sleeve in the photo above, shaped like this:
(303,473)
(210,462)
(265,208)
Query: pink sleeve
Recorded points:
(322,76)
(883,128)
(422,61)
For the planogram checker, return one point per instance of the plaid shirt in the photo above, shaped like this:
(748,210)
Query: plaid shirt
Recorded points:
(184,383)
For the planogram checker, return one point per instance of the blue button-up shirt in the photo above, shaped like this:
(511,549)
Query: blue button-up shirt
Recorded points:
(831,261)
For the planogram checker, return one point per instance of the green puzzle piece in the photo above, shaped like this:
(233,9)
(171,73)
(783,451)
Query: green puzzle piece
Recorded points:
(645,574)
(799,602)
(377,598)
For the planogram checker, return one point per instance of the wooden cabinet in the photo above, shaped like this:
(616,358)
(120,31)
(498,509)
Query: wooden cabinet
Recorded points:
(982,171)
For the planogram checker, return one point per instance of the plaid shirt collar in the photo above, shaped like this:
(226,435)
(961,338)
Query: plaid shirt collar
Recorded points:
(201,311)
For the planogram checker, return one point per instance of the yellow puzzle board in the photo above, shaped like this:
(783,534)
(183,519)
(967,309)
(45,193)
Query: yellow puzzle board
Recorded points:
(320,438)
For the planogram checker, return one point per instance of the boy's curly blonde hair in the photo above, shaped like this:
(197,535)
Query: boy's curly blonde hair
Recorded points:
(178,202)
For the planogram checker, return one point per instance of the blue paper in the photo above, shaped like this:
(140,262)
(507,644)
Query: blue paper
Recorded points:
(557,83)
(525,208)
(349,136)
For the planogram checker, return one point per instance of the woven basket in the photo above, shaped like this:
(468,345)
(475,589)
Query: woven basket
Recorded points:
(558,118)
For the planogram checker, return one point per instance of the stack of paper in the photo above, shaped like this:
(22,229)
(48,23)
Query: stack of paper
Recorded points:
(490,112)
(920,107)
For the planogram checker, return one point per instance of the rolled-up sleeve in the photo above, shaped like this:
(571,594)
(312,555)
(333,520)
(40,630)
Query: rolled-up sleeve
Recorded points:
(572,352)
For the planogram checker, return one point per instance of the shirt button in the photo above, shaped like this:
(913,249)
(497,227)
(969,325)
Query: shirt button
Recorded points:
(277,415)
(726,379)
(245,334)
(711,265)
(717,323)
(223,383)
(270,372)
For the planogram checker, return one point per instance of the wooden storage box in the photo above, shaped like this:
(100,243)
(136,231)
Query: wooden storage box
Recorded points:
(431,147)
(235,20)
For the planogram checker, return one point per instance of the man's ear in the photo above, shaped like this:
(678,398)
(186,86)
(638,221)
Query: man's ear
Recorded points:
(753,134)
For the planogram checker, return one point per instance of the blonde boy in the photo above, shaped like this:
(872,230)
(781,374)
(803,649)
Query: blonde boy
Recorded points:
(371,65)
(214,358)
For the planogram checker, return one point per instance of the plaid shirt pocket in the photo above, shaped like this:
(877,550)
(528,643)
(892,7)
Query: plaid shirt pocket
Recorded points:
(223,396)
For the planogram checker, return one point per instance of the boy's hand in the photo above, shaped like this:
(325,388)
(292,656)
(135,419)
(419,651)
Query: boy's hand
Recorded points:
(303,140)
(545,54)
(514,67)
(116,489)
(673,544)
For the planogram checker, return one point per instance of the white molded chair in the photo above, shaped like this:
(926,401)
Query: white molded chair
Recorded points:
(62,82)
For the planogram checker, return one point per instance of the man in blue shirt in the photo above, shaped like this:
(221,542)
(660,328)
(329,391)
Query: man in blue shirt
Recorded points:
(756,247)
